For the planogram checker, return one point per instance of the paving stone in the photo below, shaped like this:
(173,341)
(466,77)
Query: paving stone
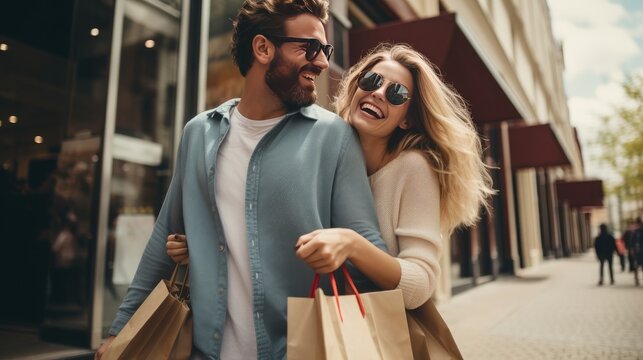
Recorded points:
(553,311)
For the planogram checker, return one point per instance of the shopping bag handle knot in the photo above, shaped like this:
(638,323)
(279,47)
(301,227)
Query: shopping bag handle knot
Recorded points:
(333,284)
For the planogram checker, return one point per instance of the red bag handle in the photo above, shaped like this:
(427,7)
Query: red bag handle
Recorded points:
(333,284)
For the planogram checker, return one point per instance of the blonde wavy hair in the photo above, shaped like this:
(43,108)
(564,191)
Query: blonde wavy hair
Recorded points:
(440,126)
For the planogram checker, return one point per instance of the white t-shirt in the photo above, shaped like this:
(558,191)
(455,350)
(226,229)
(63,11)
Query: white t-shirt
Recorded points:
(239,340)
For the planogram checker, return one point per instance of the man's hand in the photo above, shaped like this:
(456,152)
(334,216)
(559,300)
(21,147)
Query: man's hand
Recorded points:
(325,250)
(177,248)
(101,350)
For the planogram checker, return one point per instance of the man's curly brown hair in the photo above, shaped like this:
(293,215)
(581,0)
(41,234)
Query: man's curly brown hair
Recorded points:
(267,17)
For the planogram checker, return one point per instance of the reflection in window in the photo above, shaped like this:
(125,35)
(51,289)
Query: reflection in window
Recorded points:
(143,141)
(147,81)
(53,81)
(224,80)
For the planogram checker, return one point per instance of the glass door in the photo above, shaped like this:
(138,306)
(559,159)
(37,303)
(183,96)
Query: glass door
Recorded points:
(140,135)
(53,70)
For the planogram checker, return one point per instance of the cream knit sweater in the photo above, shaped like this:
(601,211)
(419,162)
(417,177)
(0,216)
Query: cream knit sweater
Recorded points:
(407,200)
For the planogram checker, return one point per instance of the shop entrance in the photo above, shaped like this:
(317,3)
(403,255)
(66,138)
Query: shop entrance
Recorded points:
(92,103)
(53,66)
(88,111)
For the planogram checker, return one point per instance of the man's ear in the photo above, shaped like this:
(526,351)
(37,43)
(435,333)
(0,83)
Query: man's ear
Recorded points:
(263,49)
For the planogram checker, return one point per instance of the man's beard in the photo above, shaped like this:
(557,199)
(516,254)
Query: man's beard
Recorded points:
(283,79)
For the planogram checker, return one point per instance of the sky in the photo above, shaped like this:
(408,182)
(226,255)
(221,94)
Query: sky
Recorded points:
(602,45)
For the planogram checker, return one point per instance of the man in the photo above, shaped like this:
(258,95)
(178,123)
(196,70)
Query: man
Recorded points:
(628,240)
(636,248)
(251,177)
(605,245)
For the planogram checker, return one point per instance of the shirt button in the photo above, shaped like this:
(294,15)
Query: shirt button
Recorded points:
(250,206)
(221,291)
(217,335)
(221,247)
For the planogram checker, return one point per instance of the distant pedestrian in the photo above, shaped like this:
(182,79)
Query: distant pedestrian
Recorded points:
(628,239)
(637,249)
(605,245)
(621,251)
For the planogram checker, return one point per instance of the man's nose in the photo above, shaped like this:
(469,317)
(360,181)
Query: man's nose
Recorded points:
(320,61)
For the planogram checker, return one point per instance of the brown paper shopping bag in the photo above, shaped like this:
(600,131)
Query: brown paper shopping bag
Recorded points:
(360,326)
(161,328)
(430,336)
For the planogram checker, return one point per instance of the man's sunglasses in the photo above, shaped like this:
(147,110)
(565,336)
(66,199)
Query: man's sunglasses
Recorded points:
(313,46)
(396,94)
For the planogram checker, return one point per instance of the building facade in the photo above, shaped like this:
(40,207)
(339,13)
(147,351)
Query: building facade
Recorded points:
(94,95)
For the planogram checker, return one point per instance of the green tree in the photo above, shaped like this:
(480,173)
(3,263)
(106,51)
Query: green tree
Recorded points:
(621,139)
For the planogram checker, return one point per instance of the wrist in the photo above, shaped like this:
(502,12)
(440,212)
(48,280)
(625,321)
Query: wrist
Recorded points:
(352,243)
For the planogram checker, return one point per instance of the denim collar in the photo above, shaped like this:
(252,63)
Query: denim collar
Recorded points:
(223,110)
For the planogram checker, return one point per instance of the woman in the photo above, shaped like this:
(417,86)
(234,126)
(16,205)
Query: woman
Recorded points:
(423,158)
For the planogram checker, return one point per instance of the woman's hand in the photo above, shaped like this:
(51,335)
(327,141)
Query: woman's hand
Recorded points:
(177,248)
(325,250)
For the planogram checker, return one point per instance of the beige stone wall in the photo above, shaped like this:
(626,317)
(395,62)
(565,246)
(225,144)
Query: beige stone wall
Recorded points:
(425,8)
(515,39)
(528,209)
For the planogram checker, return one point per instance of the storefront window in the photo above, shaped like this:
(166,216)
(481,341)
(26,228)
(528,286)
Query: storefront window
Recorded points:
(143,141)
(53,66)
(224,81)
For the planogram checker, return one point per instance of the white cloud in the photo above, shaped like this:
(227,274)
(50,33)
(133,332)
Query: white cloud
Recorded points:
(599,39)
(585,115)
(590,12)
(594,39)
(596,50)
(617,76)
(636,23)
(586,112)
(637,31)
(611,93)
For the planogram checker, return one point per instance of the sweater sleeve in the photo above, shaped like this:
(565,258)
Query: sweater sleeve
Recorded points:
(418,231)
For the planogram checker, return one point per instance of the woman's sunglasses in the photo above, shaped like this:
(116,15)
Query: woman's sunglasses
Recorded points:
(313,46)
(396,94)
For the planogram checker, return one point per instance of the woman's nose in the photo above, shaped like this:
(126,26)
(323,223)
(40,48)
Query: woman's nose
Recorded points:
(380,93)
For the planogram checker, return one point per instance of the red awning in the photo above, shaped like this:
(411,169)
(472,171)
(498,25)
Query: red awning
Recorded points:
(535,146)
(583,193)
(442,41)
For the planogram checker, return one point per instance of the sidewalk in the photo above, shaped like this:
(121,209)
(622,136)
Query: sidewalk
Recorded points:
(552,311)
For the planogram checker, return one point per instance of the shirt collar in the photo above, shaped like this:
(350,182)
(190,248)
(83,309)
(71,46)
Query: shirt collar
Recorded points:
(223,110)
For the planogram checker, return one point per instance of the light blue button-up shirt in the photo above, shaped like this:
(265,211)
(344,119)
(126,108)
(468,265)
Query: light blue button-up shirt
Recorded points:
(306,173)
